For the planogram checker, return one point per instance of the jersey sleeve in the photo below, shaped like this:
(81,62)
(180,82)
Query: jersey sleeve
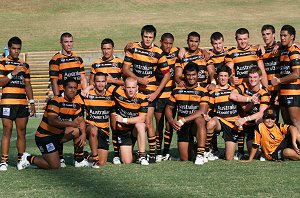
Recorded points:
(257,136)
(53,68)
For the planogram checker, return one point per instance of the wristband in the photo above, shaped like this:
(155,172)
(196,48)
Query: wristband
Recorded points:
(248,99)
(246,118)
(181,122)
(9,76)
(213,82)
(31,101)
(249,119)
(124,120)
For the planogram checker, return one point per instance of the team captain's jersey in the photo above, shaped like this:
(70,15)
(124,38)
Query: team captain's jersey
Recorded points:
(98,108)
(129,108)
(62,67)
(290,60)
(112,67)
(173,61)
(144,63)
(269,138)
(199,59)
(217,59)
(263,98)
(242,61)
(65,110)
(13,93)
(188,100)
(272,65)
(225,109)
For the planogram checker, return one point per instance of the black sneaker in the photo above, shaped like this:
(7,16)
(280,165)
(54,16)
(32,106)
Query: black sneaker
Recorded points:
(151,159)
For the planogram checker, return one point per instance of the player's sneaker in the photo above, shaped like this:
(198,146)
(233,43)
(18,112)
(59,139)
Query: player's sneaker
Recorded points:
(151,159)
(167,157)
(262,158)
(63,163)
(95,164)
(143,161)
(217,154)
(23,163)
(199,160)
(83,163)
(116,160)
(209,156)
(238,156)
(159,158)
(3,166)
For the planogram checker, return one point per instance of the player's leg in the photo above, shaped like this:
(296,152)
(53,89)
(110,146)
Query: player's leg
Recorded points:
(168,134)
(79,159)
(230,136)
(159,117)
(151,134)
(126,154)
(21,124)
(5,142)
(294,115)
(48,161)
(201,139)
(285,115)
(139,132)
(212,126)
(103,146)
(92,133)
(290,153)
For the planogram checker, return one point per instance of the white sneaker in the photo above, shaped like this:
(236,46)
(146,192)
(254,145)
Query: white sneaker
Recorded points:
(116,160)
(96,165)
(217,154)
(83,163)
(3,166)
(262,158)
(166,157)
(143,161)
(199,160)
(159,158)
(63,163)
(209,156)
(238,156)
(23,163)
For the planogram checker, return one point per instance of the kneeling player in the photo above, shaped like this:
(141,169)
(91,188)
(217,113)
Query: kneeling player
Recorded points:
(277,141)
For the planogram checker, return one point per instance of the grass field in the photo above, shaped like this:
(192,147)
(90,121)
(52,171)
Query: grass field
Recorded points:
(166,179)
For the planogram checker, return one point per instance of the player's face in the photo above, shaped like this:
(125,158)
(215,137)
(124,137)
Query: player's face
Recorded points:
(107,51)
(286,38)
(148,38)
(269,122)
(191,77)
(167,44)
(223,78)
(242,41)
(67,44)
(71,90)
(100,83)
(193,43)
(254,79)
(131,88)
(218,45)
(14,50)
(268,37)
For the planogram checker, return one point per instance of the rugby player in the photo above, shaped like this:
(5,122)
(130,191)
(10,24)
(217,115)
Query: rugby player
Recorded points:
(16,89)
(191,102)
(145,58)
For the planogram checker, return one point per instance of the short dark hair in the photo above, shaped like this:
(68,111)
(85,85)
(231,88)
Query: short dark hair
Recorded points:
(100,74)
(193,34)
(268,27)
(14,40)
(224,68)
(65,34)
(191,66)
(68,80)
(290,29)
(241,31)
(148,29)
(107,41)
(216,36)
(167,35)
(255,69)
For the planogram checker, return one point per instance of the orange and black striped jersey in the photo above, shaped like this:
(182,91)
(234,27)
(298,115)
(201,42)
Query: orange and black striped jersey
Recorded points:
(242,61)
(290,60)
(98,108)
(263,97)
(272,65)
(13,93)
(112,67)
(173,61)
(199,59)
(222,107)
(65,110)
(62,66)
(270,138)
(145,62)
(217,59)
(188,100)
(129,108)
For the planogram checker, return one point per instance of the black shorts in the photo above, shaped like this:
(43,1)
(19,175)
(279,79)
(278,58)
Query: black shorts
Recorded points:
(103,139)
(48,144)
(229,134)
(249,132)
(14,111)
(185,134)
(126,139)
(161,105)
(278,153)
(289,101)
(273,95)
(153,103)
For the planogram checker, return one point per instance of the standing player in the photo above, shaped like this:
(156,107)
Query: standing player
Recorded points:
(194,54)
(254,99)
(131,109)
(192,102)
(289,92)
(167,40)
(62,121)
(241,59)
(15,83)
(145,58)
(63,65)
(99,105)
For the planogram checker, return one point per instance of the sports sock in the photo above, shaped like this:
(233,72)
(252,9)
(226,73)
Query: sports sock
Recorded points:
(159,139)
(116,145)
(200,150)
(151,142)
(20,156)
(241,138)
(167,141)
(78,154)
(4,158)
(209,136)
